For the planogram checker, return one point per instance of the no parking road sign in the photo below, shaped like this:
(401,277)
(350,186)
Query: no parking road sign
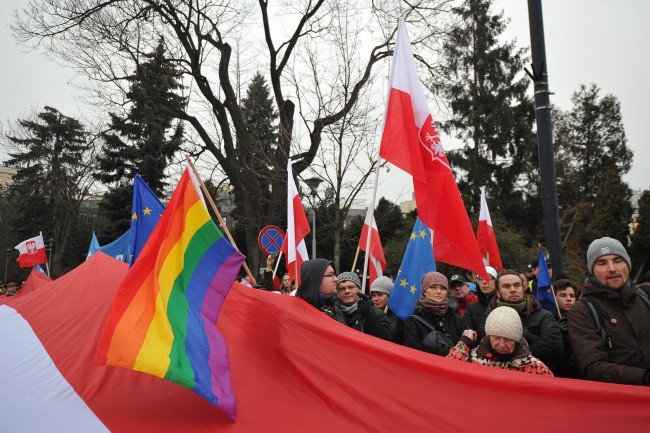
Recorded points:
(270,239)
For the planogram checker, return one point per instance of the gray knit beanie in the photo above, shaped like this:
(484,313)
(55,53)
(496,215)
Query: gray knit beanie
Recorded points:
(603,247)
(382,285)
(349,276)
(504,322)
(433,278)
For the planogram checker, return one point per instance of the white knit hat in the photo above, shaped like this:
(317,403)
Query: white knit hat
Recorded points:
(504,322)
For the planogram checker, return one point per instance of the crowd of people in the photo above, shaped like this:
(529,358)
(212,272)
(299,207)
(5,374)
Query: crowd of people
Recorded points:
(599,331)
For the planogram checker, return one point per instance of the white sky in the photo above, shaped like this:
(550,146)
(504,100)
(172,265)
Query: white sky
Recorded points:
(606,42)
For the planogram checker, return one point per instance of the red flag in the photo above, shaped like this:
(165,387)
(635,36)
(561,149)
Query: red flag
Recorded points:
(297,228)
(376,259)
(411,142)
(32,252)
(487,240)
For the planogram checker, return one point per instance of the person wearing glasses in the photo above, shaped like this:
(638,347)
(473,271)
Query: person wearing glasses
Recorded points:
(355,309)
(318,284)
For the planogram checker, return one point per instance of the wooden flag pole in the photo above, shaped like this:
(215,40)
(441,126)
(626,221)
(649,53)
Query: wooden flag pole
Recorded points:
(216,212)
(356,256)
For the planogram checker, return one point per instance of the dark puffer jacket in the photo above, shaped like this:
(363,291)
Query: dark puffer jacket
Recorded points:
(625,356)
(541,331)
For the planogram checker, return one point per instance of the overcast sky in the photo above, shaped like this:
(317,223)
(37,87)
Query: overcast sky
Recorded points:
(606,42)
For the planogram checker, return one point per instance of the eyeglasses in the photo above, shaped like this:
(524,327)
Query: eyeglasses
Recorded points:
(330,275)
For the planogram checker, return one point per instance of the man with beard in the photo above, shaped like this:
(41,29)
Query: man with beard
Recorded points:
(540,329)
(609,326)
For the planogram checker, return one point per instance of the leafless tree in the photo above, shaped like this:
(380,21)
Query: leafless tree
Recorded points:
(105,39)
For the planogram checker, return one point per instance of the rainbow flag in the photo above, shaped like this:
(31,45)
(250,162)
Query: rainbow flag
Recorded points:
(163,318)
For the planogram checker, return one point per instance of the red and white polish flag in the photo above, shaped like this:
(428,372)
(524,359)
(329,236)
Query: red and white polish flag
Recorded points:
(487,240)
(376,259)
(31,252)
(411,142)
(297,229)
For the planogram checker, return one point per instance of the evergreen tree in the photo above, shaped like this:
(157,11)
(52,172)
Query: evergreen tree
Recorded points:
(47,192)
(144,141)
(592,155)
(640,238)
(491,113)
(590,138)
(258,111)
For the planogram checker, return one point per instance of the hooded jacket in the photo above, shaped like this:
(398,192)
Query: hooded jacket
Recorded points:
(311,275)
(625,356)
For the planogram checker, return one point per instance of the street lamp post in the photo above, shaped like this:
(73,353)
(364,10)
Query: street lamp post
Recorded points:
(313,186)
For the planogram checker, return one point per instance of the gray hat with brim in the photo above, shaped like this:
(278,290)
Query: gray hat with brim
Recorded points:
(604,247)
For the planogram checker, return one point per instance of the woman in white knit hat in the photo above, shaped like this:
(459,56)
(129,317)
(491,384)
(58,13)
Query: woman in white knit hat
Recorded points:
(502,347)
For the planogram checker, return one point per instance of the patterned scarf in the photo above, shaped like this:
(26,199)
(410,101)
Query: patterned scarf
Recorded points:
(439,309)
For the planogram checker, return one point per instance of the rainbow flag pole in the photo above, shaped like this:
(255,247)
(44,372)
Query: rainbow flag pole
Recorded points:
(222,223)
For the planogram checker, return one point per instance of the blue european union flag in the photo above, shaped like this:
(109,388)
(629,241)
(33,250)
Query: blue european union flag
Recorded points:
(418,260)
(145,213)
(118,249)
(545,294)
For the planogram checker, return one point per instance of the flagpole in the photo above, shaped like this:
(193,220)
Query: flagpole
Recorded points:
(374,188)
(356,257)
(277,264)
(371,224)
(47,262)
(216,212)
(556,305)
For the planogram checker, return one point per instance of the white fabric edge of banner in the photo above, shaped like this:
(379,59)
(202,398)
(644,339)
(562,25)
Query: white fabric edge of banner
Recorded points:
(35,396)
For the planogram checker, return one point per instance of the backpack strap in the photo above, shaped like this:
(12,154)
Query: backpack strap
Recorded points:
(644,297)
(424,322)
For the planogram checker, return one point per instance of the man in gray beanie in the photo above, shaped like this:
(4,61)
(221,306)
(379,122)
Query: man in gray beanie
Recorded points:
(609,326)
(355,309)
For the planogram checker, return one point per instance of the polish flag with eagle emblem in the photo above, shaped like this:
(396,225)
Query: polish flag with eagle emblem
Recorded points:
(411,142)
